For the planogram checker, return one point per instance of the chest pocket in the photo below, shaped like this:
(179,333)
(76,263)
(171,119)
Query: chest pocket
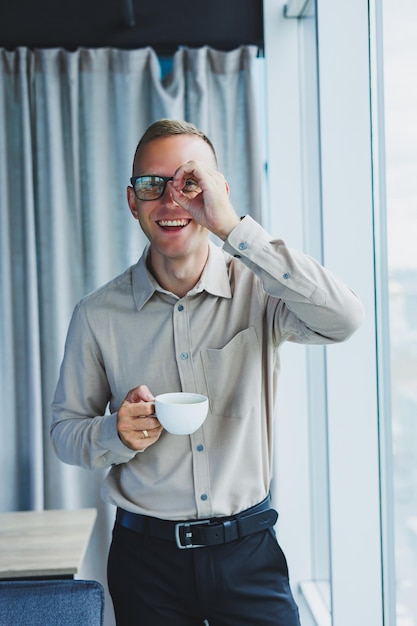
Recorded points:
(234,375)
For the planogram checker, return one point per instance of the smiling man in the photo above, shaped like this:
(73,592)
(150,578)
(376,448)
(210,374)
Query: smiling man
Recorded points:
(194,535)
(165,196)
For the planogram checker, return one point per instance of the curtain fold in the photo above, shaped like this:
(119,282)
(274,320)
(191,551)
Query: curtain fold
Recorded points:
(69,125)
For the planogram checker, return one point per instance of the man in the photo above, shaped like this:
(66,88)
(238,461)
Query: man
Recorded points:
(193,538)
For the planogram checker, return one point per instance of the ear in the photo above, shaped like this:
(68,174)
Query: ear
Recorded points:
(131,200)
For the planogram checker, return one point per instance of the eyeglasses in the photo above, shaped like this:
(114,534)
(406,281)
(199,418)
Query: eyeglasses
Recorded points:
(152,187)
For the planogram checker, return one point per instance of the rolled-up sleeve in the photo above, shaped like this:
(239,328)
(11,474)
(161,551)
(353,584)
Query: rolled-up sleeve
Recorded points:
(325,308)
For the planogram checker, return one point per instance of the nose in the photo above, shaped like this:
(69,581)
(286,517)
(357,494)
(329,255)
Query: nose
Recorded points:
(166,194)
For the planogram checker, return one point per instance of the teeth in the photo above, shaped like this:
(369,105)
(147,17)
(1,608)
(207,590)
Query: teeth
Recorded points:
(173,222)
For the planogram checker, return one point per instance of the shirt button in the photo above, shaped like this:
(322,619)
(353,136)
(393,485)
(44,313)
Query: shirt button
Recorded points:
(184,356)
(285,276)
(200,448)
(242,245)
(180,307)
(203,496)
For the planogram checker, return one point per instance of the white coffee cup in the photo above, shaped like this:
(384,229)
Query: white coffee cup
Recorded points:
(181,413)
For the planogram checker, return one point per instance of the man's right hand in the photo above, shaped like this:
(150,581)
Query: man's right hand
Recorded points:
(137,426)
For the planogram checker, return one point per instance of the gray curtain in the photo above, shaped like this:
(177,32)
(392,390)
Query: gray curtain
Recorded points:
(69,124)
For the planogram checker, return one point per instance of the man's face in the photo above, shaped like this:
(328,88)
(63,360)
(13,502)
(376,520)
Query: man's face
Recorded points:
(170,229)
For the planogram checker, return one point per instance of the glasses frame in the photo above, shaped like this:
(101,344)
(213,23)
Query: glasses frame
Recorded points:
(164,178)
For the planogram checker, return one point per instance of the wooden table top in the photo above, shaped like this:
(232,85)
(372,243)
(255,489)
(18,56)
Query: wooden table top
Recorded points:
(44,543)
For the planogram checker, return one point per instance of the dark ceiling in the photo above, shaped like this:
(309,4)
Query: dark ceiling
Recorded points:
(163,24)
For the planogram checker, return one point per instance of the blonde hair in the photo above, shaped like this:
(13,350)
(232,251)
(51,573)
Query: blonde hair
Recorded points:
(168,128)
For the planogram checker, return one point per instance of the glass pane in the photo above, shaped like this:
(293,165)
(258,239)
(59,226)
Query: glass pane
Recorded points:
(313,245)
(400,77)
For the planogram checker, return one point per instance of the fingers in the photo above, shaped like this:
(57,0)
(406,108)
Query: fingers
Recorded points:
(139,393)
(205,177)
(210,207)
(149,435)
(140,439)
(136,409)
(137,426)
(138,433)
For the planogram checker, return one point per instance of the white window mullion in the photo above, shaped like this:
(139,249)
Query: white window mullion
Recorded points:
(345,242)
(346,159)
(291,484)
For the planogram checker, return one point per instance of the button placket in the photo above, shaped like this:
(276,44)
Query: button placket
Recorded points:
(182,342)
(201,474)
(185,363)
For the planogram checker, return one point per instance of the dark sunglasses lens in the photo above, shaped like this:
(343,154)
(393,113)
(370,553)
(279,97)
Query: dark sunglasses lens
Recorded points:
(149,187)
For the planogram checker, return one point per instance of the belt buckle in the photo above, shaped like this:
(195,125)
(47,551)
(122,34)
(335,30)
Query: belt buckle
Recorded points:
(188,535)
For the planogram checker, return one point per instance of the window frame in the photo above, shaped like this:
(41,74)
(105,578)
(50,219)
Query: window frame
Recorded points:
(347,173)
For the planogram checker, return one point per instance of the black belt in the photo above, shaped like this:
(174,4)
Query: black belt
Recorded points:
(202,532)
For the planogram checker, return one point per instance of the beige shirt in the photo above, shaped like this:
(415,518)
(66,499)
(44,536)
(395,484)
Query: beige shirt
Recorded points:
(222,339)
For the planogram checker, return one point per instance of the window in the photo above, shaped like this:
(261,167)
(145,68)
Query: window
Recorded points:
(400,58)
(323,200)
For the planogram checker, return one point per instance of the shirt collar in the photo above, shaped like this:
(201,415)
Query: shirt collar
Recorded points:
(214,279)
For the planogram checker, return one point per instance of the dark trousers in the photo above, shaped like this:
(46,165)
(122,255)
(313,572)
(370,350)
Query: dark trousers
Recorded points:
(242,583)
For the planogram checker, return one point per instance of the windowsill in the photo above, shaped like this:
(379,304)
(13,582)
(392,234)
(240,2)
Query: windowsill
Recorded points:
(317,596)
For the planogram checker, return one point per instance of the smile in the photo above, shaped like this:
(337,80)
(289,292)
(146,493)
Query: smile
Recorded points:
(173,223)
